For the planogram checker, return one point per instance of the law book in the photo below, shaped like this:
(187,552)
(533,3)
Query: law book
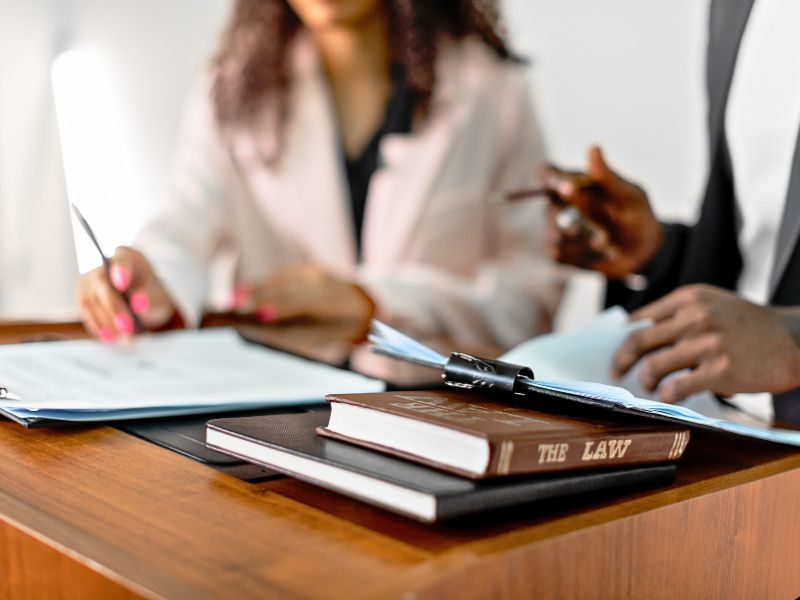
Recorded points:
(289,444)
(472,435)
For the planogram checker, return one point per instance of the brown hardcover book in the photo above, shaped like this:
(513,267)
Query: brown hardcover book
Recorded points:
(466,434)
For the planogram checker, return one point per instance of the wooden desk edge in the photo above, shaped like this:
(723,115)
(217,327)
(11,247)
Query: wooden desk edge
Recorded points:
(32,521)
(79,559)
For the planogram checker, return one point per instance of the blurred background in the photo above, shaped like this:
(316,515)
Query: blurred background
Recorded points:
(91,92)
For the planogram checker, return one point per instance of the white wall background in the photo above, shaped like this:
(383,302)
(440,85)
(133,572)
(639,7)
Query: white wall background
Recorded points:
(37,263)
(147,52)
(150,52)
(623,73)
(627,75)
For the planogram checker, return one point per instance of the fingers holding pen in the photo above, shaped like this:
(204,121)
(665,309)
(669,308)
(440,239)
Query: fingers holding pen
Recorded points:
(562,244)
(116,311)
(109,299)
(571,239)
(96,308)
(574,235)
(131,274)
(619,233)
(569,187)
(587,191)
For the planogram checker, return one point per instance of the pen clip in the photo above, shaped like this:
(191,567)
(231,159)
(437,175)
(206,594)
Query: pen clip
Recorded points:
(474,372)
(6,395)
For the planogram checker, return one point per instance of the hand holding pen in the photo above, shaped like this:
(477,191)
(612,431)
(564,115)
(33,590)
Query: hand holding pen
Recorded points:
(123,297)
(568,217)
(597,220)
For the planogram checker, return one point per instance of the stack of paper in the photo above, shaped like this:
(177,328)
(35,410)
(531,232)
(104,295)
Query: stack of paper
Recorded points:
(185,372)
(578,363)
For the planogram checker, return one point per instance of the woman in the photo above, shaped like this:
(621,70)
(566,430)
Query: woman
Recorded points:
(335,162)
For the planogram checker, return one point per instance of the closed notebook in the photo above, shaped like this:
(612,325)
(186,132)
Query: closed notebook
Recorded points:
(289,444)
(467,434)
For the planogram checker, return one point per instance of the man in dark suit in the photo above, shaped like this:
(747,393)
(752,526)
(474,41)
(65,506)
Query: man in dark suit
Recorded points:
(724,294)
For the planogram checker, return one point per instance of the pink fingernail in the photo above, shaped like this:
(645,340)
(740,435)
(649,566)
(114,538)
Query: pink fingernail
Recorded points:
(124,323)
(140,303)
(106,335)
(120,277)
(241,294)
(266,313)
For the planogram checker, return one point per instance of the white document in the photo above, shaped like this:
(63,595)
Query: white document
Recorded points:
(581,355)
(586,353)
(169,373)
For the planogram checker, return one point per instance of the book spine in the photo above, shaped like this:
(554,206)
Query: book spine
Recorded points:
(534,489)
(517,456)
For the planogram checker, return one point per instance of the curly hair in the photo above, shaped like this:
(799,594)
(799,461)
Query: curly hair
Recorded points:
(252,70)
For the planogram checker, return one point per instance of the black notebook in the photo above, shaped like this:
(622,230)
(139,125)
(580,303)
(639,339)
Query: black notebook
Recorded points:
(289,444)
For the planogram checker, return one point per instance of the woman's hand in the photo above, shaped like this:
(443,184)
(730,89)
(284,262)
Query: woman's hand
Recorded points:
(728,345)
(624,233)
(305,292)
(103,309)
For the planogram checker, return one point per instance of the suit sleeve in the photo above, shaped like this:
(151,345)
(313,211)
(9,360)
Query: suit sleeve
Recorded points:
(706,252)
(663,273)
(515,290)
(181,240)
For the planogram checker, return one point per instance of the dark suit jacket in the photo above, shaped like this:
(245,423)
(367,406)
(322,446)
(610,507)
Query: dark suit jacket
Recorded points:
(708,252)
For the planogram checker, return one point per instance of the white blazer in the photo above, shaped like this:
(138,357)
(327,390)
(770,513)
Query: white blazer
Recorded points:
(437,259)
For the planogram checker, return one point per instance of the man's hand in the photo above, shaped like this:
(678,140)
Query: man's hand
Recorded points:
(728,344)
(305,292)
(624,233)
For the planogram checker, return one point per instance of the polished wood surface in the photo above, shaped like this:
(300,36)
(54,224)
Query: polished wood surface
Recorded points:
(93,512)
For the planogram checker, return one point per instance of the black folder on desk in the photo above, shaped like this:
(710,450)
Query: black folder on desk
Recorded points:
(289,444)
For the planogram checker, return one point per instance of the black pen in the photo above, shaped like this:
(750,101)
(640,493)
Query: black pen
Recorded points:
(522,194)
(138,326)
(582,183)
(569,218)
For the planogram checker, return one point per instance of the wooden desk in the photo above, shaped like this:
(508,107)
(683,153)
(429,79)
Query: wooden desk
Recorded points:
(95,513)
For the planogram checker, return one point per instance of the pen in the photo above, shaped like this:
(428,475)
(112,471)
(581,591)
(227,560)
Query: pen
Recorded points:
(568,217)
(138,327)
(523,194)
(582,183)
